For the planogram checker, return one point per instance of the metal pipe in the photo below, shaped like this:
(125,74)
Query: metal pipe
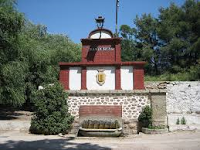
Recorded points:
(116,23)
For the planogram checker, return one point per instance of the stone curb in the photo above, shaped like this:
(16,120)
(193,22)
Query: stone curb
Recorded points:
(154,131)
(114,92)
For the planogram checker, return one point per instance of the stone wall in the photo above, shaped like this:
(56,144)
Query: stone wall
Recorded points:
(183,100)
(131,101)
(171,101)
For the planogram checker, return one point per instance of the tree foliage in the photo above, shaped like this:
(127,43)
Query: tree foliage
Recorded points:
(29,55)
(14,83)
(169,43)
(11,70)
(51,112)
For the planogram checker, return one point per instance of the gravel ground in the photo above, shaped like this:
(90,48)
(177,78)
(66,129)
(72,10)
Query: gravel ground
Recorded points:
(14,140)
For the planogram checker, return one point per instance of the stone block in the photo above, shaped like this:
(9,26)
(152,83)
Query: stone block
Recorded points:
(135,131)
(154,131)
(159,114)
(133,126)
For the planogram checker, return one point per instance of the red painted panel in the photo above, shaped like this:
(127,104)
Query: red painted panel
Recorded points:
(118,78)
(64,77)
(101,56)
(138,77)
(83,78)
(100,110)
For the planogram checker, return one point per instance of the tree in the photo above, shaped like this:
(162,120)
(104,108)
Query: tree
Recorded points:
(11,23)
(148,41)
(29,56)
(13,82)
(169,43)
(180,34)
(129,50)
(43,52)
(11,69)
(141,42)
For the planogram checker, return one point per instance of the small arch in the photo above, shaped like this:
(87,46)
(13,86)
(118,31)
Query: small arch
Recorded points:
(100,34)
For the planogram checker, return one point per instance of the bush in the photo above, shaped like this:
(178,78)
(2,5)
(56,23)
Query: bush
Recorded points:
(178,121)
(183,121)
(50,111)
(145,118)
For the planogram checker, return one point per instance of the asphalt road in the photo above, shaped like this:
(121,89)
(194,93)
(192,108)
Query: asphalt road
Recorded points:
(187,140)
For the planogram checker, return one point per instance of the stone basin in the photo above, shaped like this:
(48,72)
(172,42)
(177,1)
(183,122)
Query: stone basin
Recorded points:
(100,132)
(100,128)
(100,120)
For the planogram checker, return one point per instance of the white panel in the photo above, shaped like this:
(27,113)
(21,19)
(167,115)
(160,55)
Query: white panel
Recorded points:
(127,77)
(109,81)
(104,35)
(75,78)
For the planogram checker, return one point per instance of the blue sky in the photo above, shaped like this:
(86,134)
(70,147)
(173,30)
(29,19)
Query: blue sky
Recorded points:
(75,18)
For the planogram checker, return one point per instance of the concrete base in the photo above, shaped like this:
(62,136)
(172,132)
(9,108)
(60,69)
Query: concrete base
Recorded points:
(154,131)
(100,132)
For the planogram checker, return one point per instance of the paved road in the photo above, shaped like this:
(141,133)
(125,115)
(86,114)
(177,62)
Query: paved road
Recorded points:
(170,141)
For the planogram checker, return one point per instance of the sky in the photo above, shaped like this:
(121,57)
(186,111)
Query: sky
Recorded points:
(76,18)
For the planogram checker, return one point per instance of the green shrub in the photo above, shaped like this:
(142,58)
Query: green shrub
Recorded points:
(178,121)
(183,121)
(50,111)
(156,127)
(191,74)
(145,118)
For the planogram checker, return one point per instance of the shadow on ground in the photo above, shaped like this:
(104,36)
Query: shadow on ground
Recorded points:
(11,113)
(50,144)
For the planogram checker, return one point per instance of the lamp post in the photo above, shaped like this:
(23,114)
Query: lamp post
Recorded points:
(100,22)
(117,7)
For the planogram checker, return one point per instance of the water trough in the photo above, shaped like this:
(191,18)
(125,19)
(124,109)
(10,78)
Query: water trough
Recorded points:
(100,121)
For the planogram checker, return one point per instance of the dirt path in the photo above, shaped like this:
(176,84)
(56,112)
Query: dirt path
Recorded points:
(170,141)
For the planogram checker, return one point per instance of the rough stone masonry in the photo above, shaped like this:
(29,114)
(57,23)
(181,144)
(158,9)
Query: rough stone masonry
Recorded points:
(132,103)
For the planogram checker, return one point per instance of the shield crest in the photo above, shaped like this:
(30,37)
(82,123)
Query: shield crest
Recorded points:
(101,77)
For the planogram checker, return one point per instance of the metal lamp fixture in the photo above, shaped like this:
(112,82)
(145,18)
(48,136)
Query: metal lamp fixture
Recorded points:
(100,22)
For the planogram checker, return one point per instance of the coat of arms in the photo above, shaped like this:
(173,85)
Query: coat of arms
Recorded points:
(101,77)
